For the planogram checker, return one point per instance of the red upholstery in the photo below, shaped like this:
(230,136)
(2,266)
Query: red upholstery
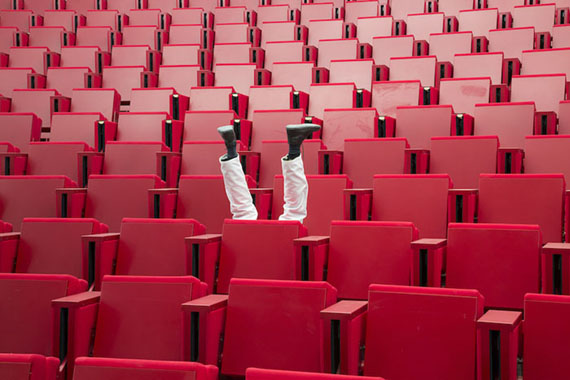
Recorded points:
(324,30)
(370,27)
(464,94)
(386,47)
(352,70)
(76,127)
(387,96)
(341,124)
(333,95)
(546,91)
(66,79)
(445,45)
(414,68)
(35,101)
(136,158)
(19,129)
(479,65)
(419,124)
(270,125)
(240,76)
(201,157)
(12,78)
(547,154)
(540,17)
(30,57)
(511,252)
(123,79)
(403,343)
(511,122)
(97,33)
(268,374)
(103,100)
(202,125)
(55,158)
(181,54)
(480,21)
(269,98)
(236,52)
(512,42)
(423,24)
(28,367)
(179,77)
(283,51)
(334,49)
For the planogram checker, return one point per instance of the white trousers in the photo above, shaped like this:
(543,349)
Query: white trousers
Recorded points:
(295,192)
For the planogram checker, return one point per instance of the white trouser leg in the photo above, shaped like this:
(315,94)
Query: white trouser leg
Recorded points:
(241,203)
(296,190)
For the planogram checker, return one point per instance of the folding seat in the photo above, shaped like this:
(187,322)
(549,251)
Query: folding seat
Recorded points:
(216,99)
(100,36)
(29,324)
(39,6)
(357,71)
(240,76)
(159,100)
(148,17)
(546,91)
(523,199)
(259,374)
(144,35)
(53,158)
(249,4)
(273,150)
(504,5)
(123,79)
(297,74)
(68,19)
(7,38)
(66,79)
(419,123)
(464,158)
(82,56)
(270,13)
(560,36)
(540,16)
(564,118)
(21,19)
(123,6)
(110,198)
(187,34)
(150,126)
(105,17)
(325,30)
(388,95)
(189,16)
(52,37)
(12,78)
(422,25)
(453,7)
(37,101)
(36,58)
(179,77)
(547,154)
(336,49)
(414,68)
(49,245)
(464,94)
(81,6)
(511,122)
(363,158)
(384,48)
(400,10)
(316,11)
(549,61)
(103,100)
(445,45)
(90,128)
(206,5)
(182,54)
(274,31)
(369,27)
(202,157)
(341,124)
(232,53)
(478,21)
(133,55)
(19,129)
(269,125)
(479,65)
(282,51)
(167,6)
(402,344)
(30,196)
(230,15)
(355,10)
(326,194)
(228,33)
(329,96)
(202,125)
(512,42)
(545,334)
(273,98)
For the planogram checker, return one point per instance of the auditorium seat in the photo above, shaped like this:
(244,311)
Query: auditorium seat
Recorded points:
(419,123)
(37,101)
(369,27)
(388,95)
(28,366)
(202,157)
(325,30)
(512,42)
(123,79)
(20,19)
(464,158)
(188,16)
(478,21)
(19,129)
(180,54)
(545,334)
(34,57)
(232,33)
(147,17)
(144,35)
(7,38)
(353,11)
(235,52)
(150,126)
(277,31)
(271,13)
(282,51)
(272,98)
(81,56)
(81,6)
(540,16)
(123,6)
(564,118)
(560,36)
(344,123)
(159,100)
(445,45)
(423,24)
(330,95)
(202,125)
(66,79)
(268,374)
(524,199)
(546,91)
(402,344)
(326,194)
(414,68)
(215,99)
(464,94)
(100,36)
(230,15)
(511,122)
(453,7)
(239,76)
(316,11)
(400,10)
(12,78)
(167,6)
(90,128)
(179,77)
(547,61)
(187,34)
(397,197)
(134,55)
(111,18)
(297,74)
(547,154)
(68,19)
(52,37)
(479,65)
(49,245)
(270,125)
(357,71)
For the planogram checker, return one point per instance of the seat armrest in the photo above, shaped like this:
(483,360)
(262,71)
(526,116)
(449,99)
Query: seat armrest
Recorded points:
(89,163)
(70,202)
(554,266)
(427,261)
(8,250)
(462,205)
(77,300)
(250,163)
(202,257)
(357,204)
(168,167)
(162,202)
(311,256)
(99,252)
(263,201)
(13,163)
(204,320)
(330,161)
(346,322)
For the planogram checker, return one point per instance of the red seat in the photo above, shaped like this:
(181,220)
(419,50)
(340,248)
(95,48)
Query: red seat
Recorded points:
(357,71)
(123,79)
(511,122)
(123,6)
(370,27)
(94,35)
(7,38)
(479,21)
(186,34)
(324,30)
(464,94)
(103,100)
(201,157)
(401,10)
(228,15)
(384,48)
(29,57)
(540,16)
(145,17)
(422,25)
(324,11)
(35,101)
(364,253)
(270,13)
(150,126)
(389,95)
(19,129)
(547,154)
(179,77)
(79,56)
(297,74)
(13,78)
(211,98)
(353,123)
(167,5)
(283,51)
(28,367)
(81,6)
(402,344)
(547,61)
(355,10)
(330,95)
(545,334)
(51,37)
(232,32)
(235,52)
(265,374)
(131,369)
(202,125)
(560,36)
(336,49)
(132,55)
(270,98)
(20,19)
(453,7)
(445,45)
(326,194)
(399,198)
(524,199)
(82,127)
(512,42)
(414,68)
(479,65)
(239,76)
(419,124)
(66,79)
(159,100)
(277,31)
(68,19)
(111,18)
(181,54)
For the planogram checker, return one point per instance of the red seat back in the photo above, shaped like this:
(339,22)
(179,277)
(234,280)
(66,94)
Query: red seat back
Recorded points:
(28,367)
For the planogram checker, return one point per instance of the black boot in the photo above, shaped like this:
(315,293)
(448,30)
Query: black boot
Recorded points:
(229,136)
(296,134)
